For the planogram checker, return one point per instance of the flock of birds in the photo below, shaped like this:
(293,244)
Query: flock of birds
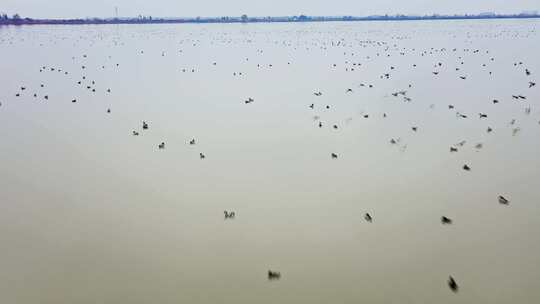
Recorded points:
(384,49)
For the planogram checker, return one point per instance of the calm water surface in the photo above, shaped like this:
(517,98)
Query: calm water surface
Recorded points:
(92,214)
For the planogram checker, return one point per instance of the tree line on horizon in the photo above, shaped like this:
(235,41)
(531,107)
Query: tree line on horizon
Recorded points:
(16,19)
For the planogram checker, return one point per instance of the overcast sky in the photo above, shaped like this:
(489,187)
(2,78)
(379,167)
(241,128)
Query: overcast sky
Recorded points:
(189,8)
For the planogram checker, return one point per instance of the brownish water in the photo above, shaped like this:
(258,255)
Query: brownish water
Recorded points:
(92,214)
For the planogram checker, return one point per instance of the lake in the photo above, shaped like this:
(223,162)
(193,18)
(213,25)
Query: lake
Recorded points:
(342,119)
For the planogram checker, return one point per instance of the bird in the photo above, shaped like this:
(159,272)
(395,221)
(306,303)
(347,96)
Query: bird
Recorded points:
(445,220)
(482,115)
(273,275)
(452,284)
(312,105)
(202,156)
(334,155)
(135,133)
(368,217)
(414,129)
(531,84)
(229,214)
(453,149)
(145,125)
(161,145)
(466,168)
(249,100)
(192,142)
(503,200)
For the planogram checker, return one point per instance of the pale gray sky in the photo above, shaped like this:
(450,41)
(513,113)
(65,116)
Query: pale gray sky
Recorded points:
(105,8)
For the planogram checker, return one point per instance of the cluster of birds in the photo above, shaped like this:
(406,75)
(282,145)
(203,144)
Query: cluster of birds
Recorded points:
(404,95)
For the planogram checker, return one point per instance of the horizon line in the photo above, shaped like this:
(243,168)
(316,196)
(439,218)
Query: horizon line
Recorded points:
(16,19)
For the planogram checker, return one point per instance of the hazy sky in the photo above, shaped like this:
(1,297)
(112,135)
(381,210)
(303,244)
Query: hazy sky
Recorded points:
(103,8)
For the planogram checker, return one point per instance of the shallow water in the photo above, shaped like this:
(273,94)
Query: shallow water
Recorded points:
(92,214)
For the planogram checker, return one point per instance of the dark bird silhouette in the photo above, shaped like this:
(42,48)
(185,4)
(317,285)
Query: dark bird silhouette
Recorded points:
(334,155)
(229,214)
(312,105)
(202,156)
(489,129)
(161,145)
(452,284)
(273,275)
(531,84)
(482,115)
(450,107)
(495,101)
(192,142)
(466,168)
(453,149)
(74,100)
(135,133)
(145,125)
(503,200)
(249,100)
(445,220)
(368,217)
(414,129)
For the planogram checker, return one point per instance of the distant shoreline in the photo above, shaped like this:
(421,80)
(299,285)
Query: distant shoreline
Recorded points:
(16,20)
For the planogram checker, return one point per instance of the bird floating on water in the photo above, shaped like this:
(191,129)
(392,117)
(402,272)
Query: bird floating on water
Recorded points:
(452,284)
(229,214)
(368,217)
(273,275)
